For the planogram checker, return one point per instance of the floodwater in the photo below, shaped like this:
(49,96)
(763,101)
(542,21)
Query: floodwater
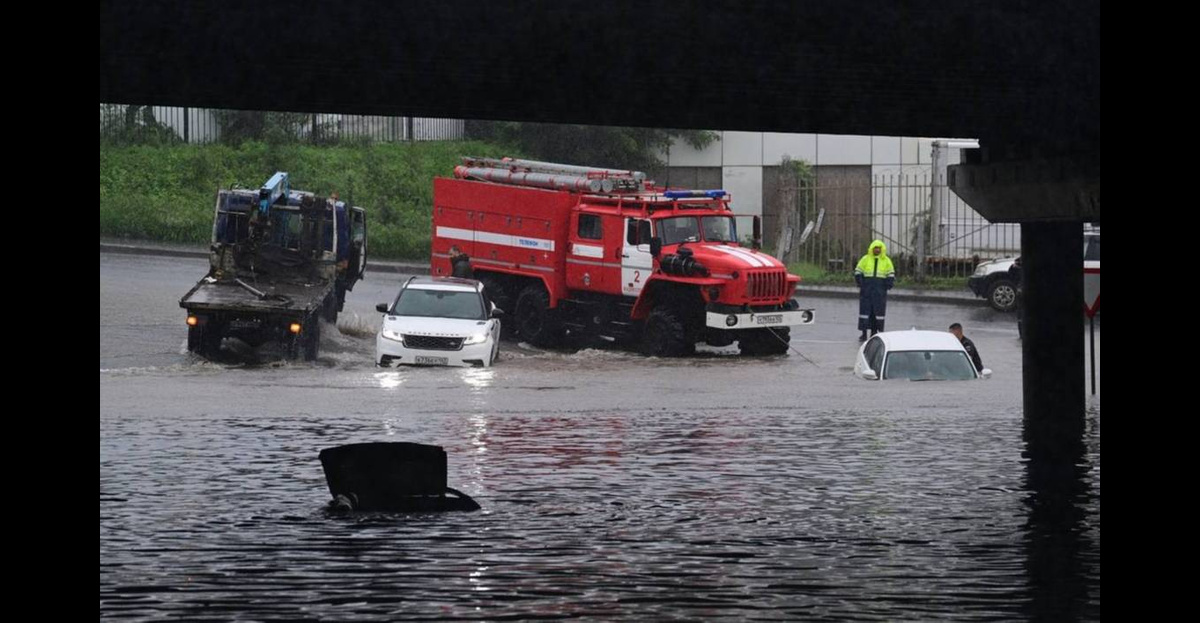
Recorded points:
(613,486)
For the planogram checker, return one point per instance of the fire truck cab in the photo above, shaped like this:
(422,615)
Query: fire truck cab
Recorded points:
(565,248)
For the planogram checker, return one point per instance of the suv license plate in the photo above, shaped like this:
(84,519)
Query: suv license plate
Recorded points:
(432,361)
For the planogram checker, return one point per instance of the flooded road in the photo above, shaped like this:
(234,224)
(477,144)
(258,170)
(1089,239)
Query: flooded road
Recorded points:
(613,486)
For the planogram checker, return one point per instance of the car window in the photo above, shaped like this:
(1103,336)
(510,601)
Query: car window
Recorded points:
(719,229)
(1091,252)
(637,231)
(679,229)
(874,353)
(928,365)
(589,227)
(439,304)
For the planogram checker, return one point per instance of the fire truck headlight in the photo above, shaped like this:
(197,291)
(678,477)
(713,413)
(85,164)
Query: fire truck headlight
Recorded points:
(730,320)
(807,315)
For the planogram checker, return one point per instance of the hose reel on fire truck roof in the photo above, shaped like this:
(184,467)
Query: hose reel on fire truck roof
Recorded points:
(550,175)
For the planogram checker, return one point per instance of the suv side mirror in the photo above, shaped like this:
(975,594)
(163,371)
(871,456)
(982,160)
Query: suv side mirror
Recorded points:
(986,373)
(870,375)
(381,308)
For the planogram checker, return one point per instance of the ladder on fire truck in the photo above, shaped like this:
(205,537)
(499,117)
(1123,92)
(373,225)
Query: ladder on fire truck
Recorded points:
(551,175)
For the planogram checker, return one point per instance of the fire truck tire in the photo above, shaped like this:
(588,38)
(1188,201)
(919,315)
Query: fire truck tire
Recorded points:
(665,334)
(536,322)
(765,341)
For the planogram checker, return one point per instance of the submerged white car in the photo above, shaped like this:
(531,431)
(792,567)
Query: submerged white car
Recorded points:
(916,356)
(438,321)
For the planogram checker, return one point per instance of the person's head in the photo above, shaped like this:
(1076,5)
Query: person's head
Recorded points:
(956,329)
(877,248)
(455,251)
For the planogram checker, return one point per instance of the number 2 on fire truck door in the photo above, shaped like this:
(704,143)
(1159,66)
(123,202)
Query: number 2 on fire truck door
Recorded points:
(636,263)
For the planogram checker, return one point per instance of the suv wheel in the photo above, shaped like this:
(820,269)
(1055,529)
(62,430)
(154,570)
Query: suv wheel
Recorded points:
(1002,295)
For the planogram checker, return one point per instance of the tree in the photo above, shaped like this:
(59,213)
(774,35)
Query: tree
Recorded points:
(603,146)
(238,126)
(122,125)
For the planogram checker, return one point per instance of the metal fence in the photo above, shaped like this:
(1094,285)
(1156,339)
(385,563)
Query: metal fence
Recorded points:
(929,231)
(120,123)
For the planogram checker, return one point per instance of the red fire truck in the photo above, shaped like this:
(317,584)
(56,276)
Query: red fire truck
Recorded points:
(565,248)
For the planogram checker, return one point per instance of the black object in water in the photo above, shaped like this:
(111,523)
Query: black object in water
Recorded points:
(391,477)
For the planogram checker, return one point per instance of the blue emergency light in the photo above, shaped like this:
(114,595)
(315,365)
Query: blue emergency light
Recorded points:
(691,194)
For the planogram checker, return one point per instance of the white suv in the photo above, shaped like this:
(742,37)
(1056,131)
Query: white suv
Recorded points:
(439,321)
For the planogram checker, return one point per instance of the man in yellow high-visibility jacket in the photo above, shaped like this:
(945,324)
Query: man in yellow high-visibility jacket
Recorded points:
(874,275)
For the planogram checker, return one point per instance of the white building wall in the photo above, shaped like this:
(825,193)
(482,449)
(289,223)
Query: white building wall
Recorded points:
(744,183)
(835,149)
(795,146)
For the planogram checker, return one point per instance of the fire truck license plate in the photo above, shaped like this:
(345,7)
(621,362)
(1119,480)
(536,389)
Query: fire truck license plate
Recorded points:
(432,361)
(769,319)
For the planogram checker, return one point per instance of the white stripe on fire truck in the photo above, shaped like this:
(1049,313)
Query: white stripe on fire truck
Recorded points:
(749,259)
(505,240)
(762,257)
(587,250)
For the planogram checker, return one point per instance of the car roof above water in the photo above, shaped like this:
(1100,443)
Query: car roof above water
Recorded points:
(919,340)
(453,284)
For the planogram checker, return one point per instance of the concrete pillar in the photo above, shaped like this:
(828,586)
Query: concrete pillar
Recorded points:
(1053,354)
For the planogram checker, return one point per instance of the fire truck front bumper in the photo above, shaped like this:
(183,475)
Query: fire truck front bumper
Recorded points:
(755,320)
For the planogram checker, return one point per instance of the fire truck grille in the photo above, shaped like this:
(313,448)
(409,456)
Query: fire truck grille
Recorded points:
(766,285)
(429,342)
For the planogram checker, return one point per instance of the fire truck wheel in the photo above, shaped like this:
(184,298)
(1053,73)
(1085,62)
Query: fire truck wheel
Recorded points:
(536,322)
(665,335)
(765,341)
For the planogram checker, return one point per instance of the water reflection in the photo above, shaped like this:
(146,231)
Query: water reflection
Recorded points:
(389,380)
(478,379)
(1061,560)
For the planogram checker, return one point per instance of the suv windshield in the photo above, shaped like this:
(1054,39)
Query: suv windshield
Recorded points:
(439,304)
(928,365)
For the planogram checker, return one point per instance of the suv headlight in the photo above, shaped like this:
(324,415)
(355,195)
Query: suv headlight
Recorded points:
(478,338)
(392,335)
(981,270)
